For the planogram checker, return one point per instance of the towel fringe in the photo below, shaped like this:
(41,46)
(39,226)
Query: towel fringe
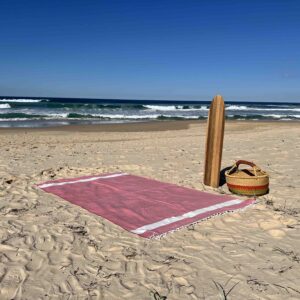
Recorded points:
(160,236)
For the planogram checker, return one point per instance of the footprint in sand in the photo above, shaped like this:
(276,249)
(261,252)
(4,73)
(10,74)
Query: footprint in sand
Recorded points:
(276,233)
(272,228)
(270,224)
(11,283)
(181,281)
(35,262)
(44,242)
(59,258)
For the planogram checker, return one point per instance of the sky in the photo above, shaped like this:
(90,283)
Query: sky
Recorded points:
(158,49)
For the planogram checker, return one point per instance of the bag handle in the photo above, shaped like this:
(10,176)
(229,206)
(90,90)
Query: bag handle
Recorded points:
(244,162)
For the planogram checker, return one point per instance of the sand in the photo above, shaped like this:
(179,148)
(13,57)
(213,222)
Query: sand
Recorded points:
(51,249)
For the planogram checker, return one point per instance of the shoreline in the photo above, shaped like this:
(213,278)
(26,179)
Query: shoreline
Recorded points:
(138,126)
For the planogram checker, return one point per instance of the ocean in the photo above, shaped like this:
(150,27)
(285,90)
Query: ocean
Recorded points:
(43,112)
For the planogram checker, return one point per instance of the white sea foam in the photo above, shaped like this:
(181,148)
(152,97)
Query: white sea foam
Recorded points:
(136,117)
(108,116)
(6,105)
(269,109)
(277,116)
(121,116)
(237,107)
(277,109)
(175,108)
(133,117)
(57,115)
(23,100)
(13,119)
(263,109)
(161,107)
(228,107)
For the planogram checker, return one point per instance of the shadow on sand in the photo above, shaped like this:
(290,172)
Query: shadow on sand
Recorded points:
(222,175)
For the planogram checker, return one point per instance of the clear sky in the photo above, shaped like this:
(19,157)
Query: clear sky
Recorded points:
(157,49)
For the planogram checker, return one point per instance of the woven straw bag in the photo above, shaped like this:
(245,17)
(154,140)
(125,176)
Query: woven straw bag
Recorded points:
(250,182)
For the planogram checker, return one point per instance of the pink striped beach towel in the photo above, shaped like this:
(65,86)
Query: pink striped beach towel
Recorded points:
(142,206)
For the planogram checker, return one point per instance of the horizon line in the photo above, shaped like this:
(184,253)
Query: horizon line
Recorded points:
(149,100)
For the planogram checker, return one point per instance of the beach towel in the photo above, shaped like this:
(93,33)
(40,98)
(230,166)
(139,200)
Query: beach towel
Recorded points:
(146,207)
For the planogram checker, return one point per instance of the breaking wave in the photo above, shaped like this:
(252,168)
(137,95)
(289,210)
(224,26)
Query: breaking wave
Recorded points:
(77,116)
(18,100)
(58,110)
(5,105)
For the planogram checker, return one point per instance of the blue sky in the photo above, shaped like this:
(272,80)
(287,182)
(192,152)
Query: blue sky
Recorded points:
(158,49)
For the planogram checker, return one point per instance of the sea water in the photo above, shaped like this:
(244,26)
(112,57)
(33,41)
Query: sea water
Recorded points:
(41,112)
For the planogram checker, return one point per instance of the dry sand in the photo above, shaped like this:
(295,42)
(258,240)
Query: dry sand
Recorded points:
(51,249)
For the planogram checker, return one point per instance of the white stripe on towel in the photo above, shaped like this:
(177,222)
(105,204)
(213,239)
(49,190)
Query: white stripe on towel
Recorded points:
(45,185)
(187,215)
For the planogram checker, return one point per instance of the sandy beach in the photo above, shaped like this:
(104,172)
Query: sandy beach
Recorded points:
(51,249)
